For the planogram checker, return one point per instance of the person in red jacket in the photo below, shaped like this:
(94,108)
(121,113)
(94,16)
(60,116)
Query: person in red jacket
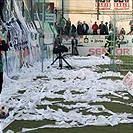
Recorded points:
(95,28)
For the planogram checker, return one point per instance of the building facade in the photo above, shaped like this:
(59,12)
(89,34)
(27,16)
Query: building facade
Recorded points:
(120,11)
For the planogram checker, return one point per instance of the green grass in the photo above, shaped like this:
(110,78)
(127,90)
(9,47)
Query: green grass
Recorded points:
(121,128)
(115,107)
(17,126)
(113,78)
(127,63)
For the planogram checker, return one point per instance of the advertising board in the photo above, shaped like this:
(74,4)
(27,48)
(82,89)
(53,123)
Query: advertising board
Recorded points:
(94,45)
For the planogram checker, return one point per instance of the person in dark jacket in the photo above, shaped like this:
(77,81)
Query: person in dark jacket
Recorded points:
(110,26)
(3,47)
(74,43)
(122,31)
(73,30)
(1,9)
(79,28)
(106,28)
(102,28)
(68,26)
(85,28)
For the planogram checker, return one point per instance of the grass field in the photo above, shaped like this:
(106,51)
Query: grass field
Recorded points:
(126,64)
(17,125)
(122,128)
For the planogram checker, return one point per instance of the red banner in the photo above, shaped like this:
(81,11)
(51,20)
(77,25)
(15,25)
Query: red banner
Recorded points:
(121,6)
(103,5)
(112,5)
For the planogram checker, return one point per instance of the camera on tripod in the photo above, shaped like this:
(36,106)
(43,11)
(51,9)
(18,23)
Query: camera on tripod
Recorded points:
(60,49)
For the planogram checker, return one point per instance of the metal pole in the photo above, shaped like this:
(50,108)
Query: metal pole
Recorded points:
(31,11)
(132,8)
(114,42)
(132,111)
(62,9)
(38,7)
(6,62)
(22,8)
(54,33)
(11,5)
(97,9)
(42,37)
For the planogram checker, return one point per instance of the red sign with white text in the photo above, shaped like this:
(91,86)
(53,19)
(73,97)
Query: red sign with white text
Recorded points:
(103,5)
(113,5)
(121,6)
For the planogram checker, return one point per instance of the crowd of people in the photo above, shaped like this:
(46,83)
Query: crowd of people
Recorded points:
(82,28)
(104,28)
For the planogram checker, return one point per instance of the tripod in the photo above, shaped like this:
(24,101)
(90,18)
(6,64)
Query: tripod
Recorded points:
(60,57)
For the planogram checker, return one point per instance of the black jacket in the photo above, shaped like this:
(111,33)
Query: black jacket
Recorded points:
(3,46)
(2,1)
(74,43)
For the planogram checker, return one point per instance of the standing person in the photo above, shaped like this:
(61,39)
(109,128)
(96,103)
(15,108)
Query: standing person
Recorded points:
(95,28)
(85,28)
(122,31)
(68,26)
(110,26)
(48,9)
(3,47)
(79,28)
(74,43)
(1,9)
(106,28)
(73,30)
(55,12)
(131,25)
(116,31)
(62,25)
(102,28)
(57,49)
(111,43)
